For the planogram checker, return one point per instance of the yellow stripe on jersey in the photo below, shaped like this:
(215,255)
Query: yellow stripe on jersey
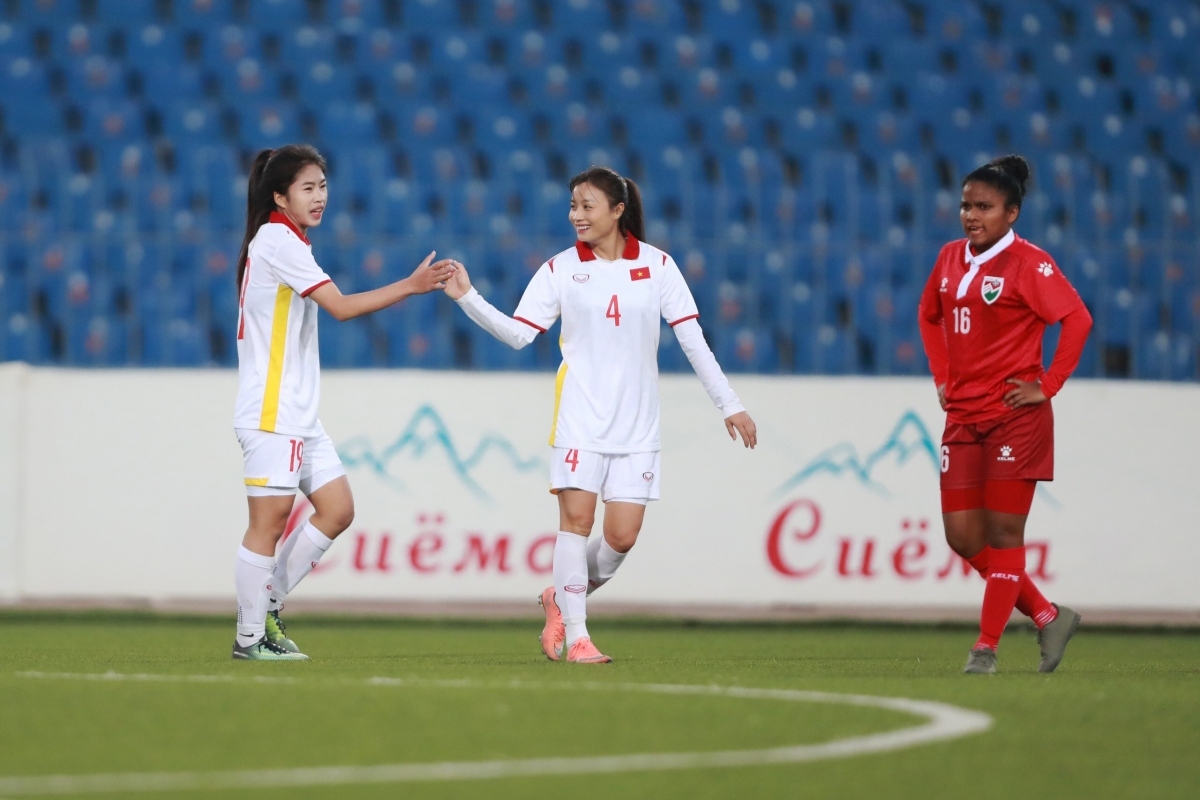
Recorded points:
(279,327)
(257,481)
(558,389)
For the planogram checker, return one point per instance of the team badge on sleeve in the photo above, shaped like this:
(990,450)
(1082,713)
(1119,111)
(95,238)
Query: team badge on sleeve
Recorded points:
(992,287)
(639,274)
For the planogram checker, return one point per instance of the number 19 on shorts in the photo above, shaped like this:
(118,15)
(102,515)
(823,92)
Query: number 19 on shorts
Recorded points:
(297,457)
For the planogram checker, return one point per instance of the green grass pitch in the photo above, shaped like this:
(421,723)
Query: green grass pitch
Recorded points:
(1121,718)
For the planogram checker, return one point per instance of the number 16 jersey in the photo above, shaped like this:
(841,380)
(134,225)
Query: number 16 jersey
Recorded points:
(606,393)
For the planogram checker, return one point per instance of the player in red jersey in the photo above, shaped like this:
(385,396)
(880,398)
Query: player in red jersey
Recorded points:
(982,317)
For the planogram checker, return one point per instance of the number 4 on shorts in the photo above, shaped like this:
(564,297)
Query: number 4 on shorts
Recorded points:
(572,459)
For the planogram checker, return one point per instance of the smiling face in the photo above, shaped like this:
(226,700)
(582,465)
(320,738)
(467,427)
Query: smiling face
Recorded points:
(305,200)
(985,217)
(594,219)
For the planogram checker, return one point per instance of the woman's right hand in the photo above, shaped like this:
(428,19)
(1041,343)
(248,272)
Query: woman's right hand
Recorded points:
(459,283)
(942,396)
(427,277)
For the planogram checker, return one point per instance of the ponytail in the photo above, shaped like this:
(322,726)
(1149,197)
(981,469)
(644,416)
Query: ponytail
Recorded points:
(257,212)
(271,173)
(633,220)
(618,190)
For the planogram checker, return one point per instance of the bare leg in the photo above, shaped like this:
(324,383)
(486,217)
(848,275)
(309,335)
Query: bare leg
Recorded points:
(268,518)
(333,507)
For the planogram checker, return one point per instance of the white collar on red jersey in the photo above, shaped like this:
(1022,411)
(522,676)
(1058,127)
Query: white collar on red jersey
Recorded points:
(992,251)
(978,261)
(632,248)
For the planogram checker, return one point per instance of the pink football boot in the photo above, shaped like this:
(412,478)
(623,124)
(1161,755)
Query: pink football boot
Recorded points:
(555,633)
(584,652)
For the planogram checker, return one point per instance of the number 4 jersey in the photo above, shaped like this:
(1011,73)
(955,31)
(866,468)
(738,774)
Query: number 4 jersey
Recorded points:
(993,309)
(606,394)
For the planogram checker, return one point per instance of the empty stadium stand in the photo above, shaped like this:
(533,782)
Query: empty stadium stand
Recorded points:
(800,159)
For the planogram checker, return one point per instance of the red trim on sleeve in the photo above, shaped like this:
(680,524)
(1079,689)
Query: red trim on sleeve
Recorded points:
(283,220)
(664,259)
(683,319)
(550,264)
(539,328)
(314,287)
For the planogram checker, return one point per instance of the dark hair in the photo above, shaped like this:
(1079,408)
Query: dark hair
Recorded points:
(617,190)
(1006,175)
(272,171)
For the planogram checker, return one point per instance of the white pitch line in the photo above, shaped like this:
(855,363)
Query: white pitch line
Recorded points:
(944,722)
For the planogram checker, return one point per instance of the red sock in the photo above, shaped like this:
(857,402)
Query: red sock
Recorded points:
(1030,602)
(980,561)
(1006,570)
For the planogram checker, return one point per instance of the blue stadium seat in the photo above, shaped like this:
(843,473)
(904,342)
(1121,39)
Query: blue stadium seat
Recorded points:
(813,146)
(24,338)
(173,342)
(1162,356)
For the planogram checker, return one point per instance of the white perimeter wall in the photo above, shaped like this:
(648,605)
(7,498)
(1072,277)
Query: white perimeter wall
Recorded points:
(127,484)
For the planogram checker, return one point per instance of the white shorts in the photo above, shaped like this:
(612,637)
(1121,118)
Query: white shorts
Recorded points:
(627,478)
(279,464)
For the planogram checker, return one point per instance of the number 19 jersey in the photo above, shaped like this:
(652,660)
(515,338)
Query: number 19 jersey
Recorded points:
(279,365)
(606,393)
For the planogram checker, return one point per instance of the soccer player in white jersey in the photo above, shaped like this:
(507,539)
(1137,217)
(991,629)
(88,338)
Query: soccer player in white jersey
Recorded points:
(610,289)
(279,386)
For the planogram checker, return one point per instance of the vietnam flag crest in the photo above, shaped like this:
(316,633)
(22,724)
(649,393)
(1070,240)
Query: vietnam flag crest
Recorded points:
(639,274)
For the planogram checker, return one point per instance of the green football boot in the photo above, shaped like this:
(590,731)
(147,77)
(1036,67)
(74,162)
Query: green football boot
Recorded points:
(265,650)
(1053,638)
(982,661)
(277,633)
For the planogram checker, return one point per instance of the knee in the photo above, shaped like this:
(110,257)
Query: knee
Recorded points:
(1004,537)
(334,521)
(579,522)
(962,544)
(342,519)
(621,541)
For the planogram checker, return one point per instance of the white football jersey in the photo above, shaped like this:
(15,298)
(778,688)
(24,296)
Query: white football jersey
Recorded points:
(279,366)
(606,395)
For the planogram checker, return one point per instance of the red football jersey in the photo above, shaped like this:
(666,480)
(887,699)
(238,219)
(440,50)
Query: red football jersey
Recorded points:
(992,309)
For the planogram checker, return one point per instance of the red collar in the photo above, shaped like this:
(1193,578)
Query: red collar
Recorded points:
(282,219)
(632,248)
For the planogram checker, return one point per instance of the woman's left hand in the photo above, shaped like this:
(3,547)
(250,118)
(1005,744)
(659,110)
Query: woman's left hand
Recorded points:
(1027,393)
(741,423)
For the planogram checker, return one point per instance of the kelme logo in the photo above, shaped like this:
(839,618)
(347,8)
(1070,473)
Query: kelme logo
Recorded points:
(992,287)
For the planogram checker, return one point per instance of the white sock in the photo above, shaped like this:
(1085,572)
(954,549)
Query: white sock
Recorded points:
(296,558)
(603,562)
(570,583)
(253,579)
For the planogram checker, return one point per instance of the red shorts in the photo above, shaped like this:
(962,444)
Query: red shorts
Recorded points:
(1018,447)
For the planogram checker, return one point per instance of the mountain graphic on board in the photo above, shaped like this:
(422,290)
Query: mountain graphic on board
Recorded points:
(427,435)
(909,439)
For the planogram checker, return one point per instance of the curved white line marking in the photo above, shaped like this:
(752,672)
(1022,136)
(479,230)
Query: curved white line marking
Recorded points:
(944,722)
